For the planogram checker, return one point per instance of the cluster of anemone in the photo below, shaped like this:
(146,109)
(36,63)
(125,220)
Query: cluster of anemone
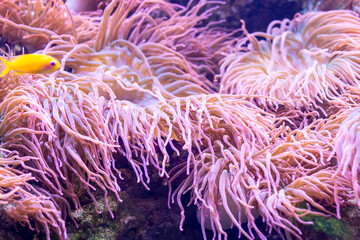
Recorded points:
(136,81)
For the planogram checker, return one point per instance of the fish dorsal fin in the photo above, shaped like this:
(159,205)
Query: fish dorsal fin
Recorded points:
(5,68)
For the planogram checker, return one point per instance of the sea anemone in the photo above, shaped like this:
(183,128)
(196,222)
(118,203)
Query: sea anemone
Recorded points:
(235,183)
(122,95)
(50,120)
(33,24)
(227,169)
(346,147)
(299,64)
(133,88)
(22,202)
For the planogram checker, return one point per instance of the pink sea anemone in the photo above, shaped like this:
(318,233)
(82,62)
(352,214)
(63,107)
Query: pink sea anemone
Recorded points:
(299,63)
(34,23)
(49,121)
(122,95)
(134,84)
(232,183)
(346,147)
(22,202)
(225,160)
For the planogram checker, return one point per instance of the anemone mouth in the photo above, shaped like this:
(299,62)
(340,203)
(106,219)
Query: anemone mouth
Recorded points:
(203,214)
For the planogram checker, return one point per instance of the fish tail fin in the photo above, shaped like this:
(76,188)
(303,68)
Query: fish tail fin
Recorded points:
(5,68)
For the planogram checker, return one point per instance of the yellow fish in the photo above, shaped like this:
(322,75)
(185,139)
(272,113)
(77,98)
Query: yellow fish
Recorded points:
(29,63)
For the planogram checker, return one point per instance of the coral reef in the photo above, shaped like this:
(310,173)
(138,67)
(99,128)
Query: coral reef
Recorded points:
(276,140)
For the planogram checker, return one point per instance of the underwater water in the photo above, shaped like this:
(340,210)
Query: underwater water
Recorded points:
(154,119)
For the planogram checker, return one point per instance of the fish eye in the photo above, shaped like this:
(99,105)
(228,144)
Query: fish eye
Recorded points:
(52,63)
